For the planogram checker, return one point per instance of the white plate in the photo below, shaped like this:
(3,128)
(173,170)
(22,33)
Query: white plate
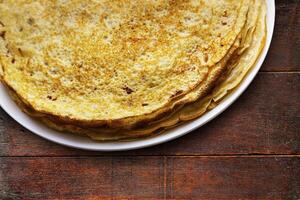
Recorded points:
(85,143)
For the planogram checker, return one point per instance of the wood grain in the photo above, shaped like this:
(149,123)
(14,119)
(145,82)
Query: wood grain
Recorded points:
(82,178)
(151,177)
(233,178)
(285,47)
(265,120)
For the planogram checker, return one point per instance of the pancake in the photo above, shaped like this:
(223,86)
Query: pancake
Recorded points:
(241,64)
(115,63)
(225,76)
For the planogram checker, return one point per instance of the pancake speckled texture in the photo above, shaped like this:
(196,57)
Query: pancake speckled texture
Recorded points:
(118,59)
(102,68)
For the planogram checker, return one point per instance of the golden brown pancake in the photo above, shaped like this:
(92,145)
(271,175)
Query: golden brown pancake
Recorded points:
(221,77)
(115,63)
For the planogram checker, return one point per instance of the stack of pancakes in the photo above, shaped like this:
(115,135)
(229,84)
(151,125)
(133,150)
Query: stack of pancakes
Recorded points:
(126,69)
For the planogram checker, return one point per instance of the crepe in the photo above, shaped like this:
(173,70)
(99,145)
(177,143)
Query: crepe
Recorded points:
(221,73)
(114,63)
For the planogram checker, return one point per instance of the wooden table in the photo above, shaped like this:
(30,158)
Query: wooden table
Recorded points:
(251,151)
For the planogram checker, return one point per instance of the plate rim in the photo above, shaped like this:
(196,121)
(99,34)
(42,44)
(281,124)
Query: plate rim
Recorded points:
(78,142)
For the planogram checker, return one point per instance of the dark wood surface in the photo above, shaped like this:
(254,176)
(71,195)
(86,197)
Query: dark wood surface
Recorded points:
(251,151)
